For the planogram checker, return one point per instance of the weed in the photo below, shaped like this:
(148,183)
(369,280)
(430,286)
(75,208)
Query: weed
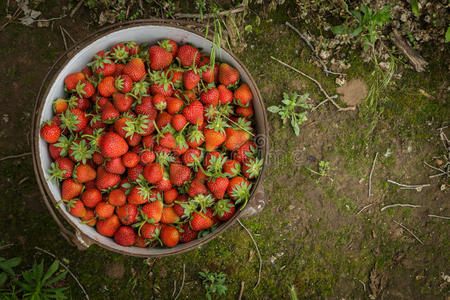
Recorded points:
(214,283)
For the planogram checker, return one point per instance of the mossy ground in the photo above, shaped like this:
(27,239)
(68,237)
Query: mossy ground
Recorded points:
(310,234)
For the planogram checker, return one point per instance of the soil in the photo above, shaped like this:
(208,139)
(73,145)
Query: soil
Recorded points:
(322,236)
(353,91)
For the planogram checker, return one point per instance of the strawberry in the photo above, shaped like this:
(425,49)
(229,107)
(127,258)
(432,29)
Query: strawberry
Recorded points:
(61,169)
(170,236)
(146,108)
(188,55)
(119,52)
(209,76)
(243,95)
(141,242)
(231,167)
(178,122)
(159,102)
(103,65)
(239,189)
(200,221)
(179,209)
(130,159)
(190,79)
(169,216)
(106,180)
(139,195)
(170,196)
(127,214)
(147,157)
(113,145)
(115,166)
(123,83)
(89,218)
(135,68)
(70,189)
(80,103)
(133,48)
(74,120)
(85,89)
(228,75)
(122,102)
(76,208)
(153,211)
(104,210)
(225,95)
(164,184)
(194,113)
(84,173)
(167,140)
(252,168)
(210,214)
(197,188)
(213,139)
(133,173)
(50,132)
(153,172)
(187,234)
(218,186)
(190,156)
(163,87)
(244,152)
(210,97)
(125,236)
(224,209)
(117,197)
(170,46)
(60,105)
(235,138)
(246,112)
(72,80)
(179,174)
(106,86)
(109,226)
(174,105)
(159,57)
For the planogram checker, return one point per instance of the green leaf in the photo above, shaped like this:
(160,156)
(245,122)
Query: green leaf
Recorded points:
(357,15)
(248,28)
(273,109)
(447,35)
(357,31)
(3,278)
(340,29)
(415,7)
(53,268)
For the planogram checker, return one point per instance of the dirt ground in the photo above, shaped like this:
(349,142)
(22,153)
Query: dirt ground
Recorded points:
(322,236)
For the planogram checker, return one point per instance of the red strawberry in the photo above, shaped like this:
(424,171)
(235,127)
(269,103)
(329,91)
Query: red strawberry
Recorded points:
(174,105)
(123,83)
(117,197)
(200,221)
(106,86)
(179,174)
(133,173)
(239,189)
(127,214)
(231,167)
(146,108)
(115,166)
(76,208)
(104,210)
(210,97)
(235,138)
(209,76)
(190,79)
(89,218)
(135,69)
(189,155)
(246,112)
(159,102)
(188,55)
(72,80)
(103,65)
(153,211)
(153,172)
(84,173)
(197,188)
(60,105)
(228,75)
(70,189)
(106,180)
(130,159)
(125,236)
(122,102)
(242,154)
(163,88)
(138,196)
(82,103)
(170,46)
(50,132)
(210,214)
(150,231)
(164,184)
(224,209)
(194,113)
(243,95)
(133,48)
(163,119)
(167,140)
(213,139)
(147,157)
(225,95)
(119,52)
(170,236)
(91,197)
(169,216)
(218,186)
(179,209)
(109,113)
(62,168)
(170,196)
(187,234)
(109,226)
(75,120)
(55,151)
(85,89)
(134,139)
(113,145)
(159,57)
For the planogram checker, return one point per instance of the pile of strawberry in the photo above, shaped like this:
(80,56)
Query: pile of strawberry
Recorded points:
(153,145)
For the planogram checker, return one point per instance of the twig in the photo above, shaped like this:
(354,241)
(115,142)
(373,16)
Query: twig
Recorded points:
(51,19)
(318,84)
(6,246)
(182,283)
(363,284)
(370,175)
(438,175)
(141,6)
(242,290)
(257,252)
(313,50)
(7,7)
(15,15)
(412,233)
(76,8)
(399,204)
(23,180)
(208,16)
(68,34)
(15,156)
(174,288)
(362,209)
(417,187)
(64,37)
(439,217)
(65,267)
(432,167)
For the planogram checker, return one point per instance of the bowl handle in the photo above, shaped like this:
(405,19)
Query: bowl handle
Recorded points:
(256,204)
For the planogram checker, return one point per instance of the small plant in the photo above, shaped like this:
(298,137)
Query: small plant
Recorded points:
(369,24)
(289,110)
(214,283)
(7,268)
(324,167)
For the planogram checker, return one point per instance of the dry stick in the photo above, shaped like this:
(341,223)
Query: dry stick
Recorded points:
(76,8)
(68,34)
(174,288)
(407,186)
(324,101)
(207,16)
(439,217)
(412,233)
(257,252)
(242,290)
(16,14)
(362,209)
(399,204)
(312,49)
(141,6)
(15,156)
(64,37)
(318,84)
(6,246)
(443,172)
(182,283)
(371,172)
(65,267)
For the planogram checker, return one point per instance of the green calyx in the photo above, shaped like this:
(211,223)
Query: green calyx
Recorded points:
(241,193)
(214,170)
(120,54)
(222,206)
(81,151)
(55,172)
(218,125)
(195,135)
(69,120)
(64,143)
(254,167)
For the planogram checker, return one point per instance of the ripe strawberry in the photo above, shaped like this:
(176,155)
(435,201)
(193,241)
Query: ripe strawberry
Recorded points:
(159,57)
(125,236)
(55,151)
(252,168)
(228,75)
(245,151)
(147,156)
(162,87)
(170,236)
(119,52)
(138,195)
(115,166)
(209,76)
(167,140)
(190,79)
(127,214)
(243,95)
(210,214)
(174,105)
(109,226)
(89,218)
(235,138)
(159,102)
(60,105)
(141,242)
(91,197)
(179,174)
(61,169)
(190,156)
(74,120)
(146,108)
(70,189)
(246,112)
(97,158)
(84,173)
(106,86)
(224,209)
(123,83)
(76,208)
(50,132)
(133,173)
(87,71)
(225,95)
(130,159)
(200,221)
(72,80)
(113,145)
(231,167)
(153,211)
(170,46)
(85,89)
(122,102)
(169,216)
(194,113)
(213,139)
(133,48)
(179,209)
(188,55)
(153,172)
(163,119)
(106,180)
(117,197)
(103,65)
(80,103)
(187,234)
(150,231)
(109,113)
(170,196)
(135,68)
(164,184)
(197,188)
(210,97)
(104,210)
(218,186)
(239,189)
(178,122)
